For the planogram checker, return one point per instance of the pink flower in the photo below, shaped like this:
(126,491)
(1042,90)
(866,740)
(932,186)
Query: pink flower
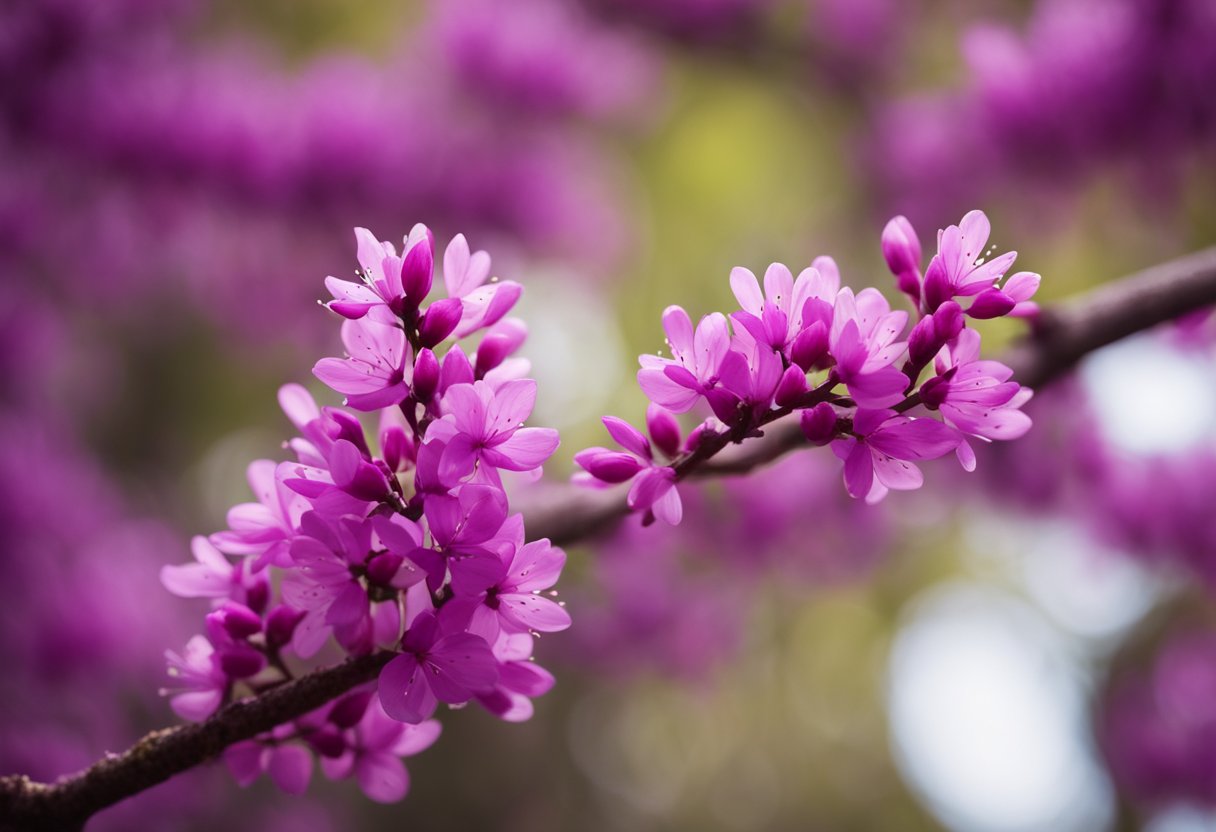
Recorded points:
(263,529)
(976,396)
(777,317)
(511,600)
(863,342)
(879,457)
(653,488)
(465,275)
(378,368)
(432,666)
(520,680)
(484,425)
(680,382)
(200,682)
(398,283)
(374,746)
(212,576)
(288,764)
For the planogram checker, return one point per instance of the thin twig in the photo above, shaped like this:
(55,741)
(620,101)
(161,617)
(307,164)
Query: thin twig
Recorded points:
(1062,336)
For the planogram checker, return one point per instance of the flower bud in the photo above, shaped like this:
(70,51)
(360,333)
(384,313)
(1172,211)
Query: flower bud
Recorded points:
(504,339)
(791,388)
(819,424)
(383,568)
(937,285)
(237,620)
(257,594)
(281,624)
(923,342)
(328,742)
(426,375)
(417,269)
(901,247)
(440,318)
(663,428)
(810,347)
(241,662)
(991,303)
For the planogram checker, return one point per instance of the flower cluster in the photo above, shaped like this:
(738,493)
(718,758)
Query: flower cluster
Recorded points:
(794,345)
(406,545)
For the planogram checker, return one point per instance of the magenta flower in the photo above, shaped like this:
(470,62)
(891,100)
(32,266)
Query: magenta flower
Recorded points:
(520,680)
(373,748)
(654,488)
(976,396)
(465,276)
(513,601)
(680,382)
(777,317)
(432,666)
(466,526)
(213,576)
(263,530)
(323,585)
(199,681)
(863,342)
(484,425)
(398,283)
(378,369)
(879,458)
(288,764)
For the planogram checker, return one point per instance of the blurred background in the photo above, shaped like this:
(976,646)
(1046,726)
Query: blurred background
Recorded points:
(1032,647)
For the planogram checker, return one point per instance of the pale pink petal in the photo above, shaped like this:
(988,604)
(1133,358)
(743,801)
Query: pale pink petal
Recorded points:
(534,612)
(244,761)
(747,290)
(290,767)
(382,777)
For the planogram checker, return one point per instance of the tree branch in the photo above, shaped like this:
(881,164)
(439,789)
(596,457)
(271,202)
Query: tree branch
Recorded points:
(1067,332)
(566,514)
(69,803)
(1062,335)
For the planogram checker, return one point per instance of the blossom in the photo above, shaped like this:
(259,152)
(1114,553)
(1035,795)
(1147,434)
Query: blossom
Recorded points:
(879,456)
(511,599)
(780,315)
(432,666)
(199,680)
(377,371)
(484,425)
(520,680)
(680,382)
(212,576)
(464,275)
(398,283)
(288,764)
(976,396)
(373,748)
(263,529)
(863,344)
(653,486)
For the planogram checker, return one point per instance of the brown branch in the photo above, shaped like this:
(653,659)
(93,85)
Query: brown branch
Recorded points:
(1066,333)
(567,514)
(69,803)
(1062,336)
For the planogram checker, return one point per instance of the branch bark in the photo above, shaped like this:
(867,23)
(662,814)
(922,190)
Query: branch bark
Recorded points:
(69,803)
(566,514)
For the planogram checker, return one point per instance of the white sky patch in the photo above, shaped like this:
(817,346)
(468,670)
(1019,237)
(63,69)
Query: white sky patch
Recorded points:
(1150,397)
(1090,591)
(574,346)
(988,718)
